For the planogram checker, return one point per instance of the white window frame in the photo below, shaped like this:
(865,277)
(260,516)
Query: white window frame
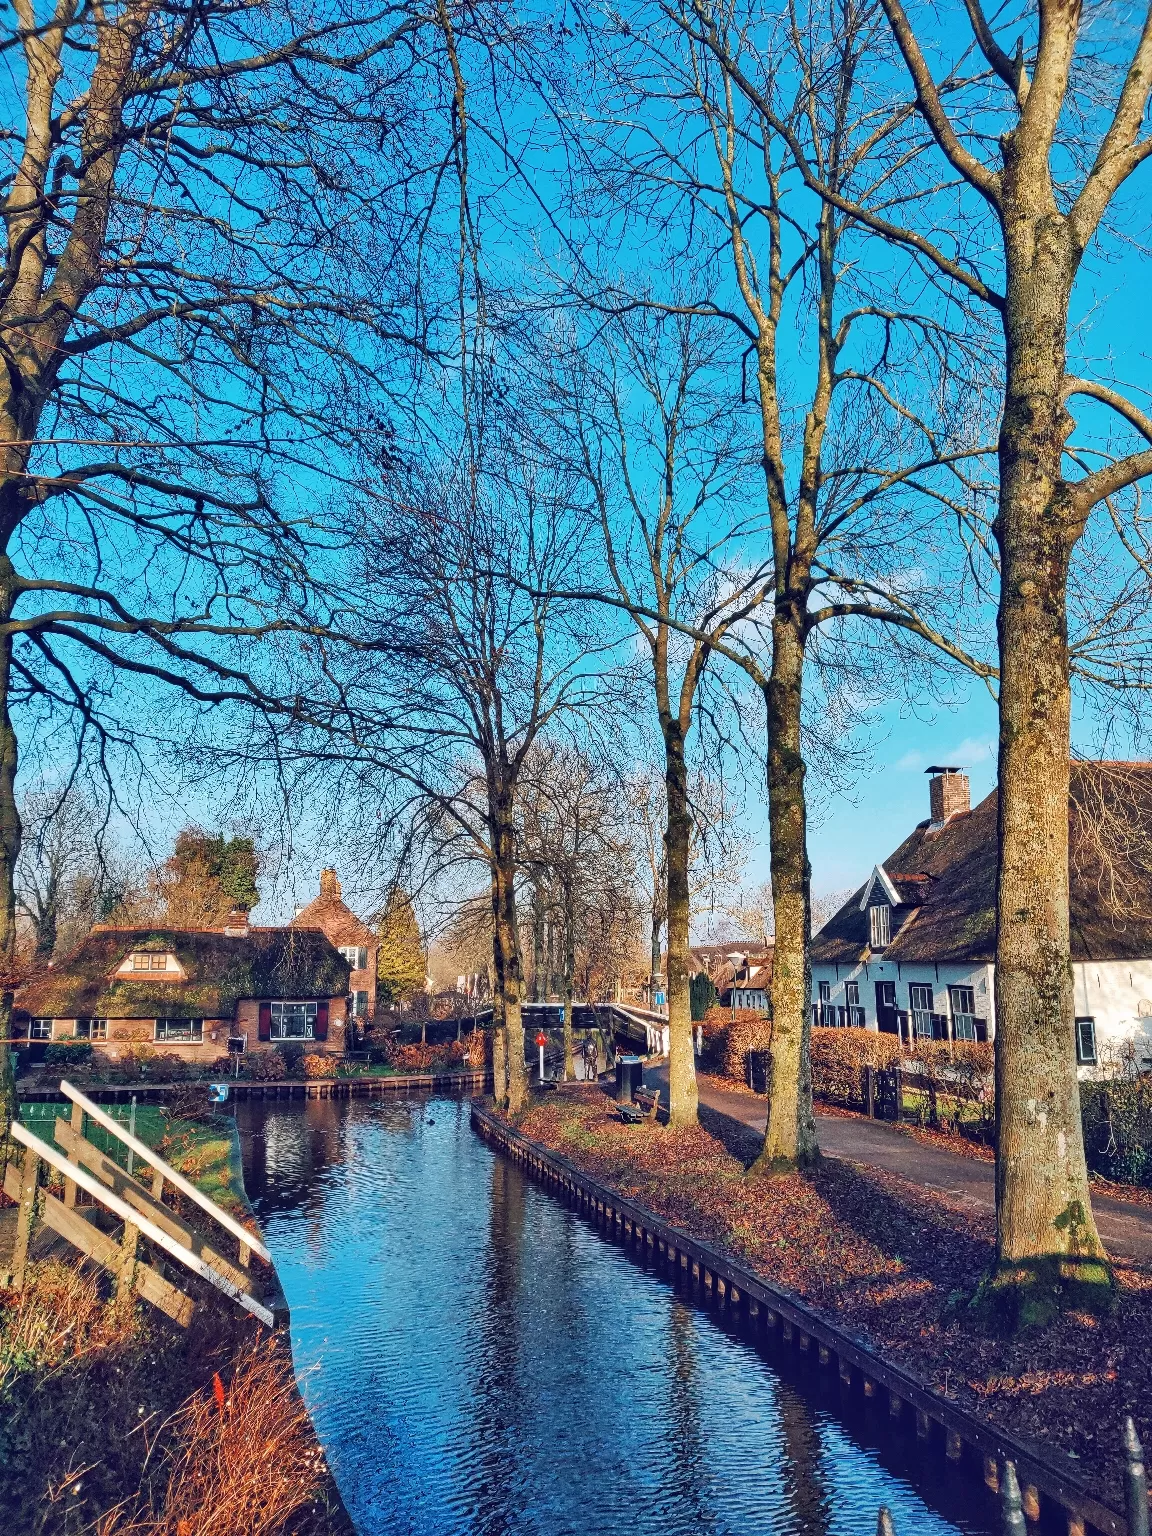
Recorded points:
(352,953)
(963,1019)
(276,1033)
(852,1003)
(94,1029)
(921,1017)
(144,961)
(36,1029)
(880,925)
(195,1035)
(1083,1058)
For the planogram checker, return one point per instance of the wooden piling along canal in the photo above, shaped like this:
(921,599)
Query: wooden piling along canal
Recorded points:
(1003,1460)
(140,1211)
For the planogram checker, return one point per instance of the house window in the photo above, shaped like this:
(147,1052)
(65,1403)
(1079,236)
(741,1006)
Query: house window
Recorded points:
(1085,1042)
(852,998)
(91,1029)
(40,1029)
(880,919)
(180,1029)
(148,961)
(356,958)
(920,1005)
(293,1021)
(962,1001)
(360,1004)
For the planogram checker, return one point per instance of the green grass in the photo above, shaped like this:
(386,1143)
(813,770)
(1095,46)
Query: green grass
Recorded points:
(204,1151)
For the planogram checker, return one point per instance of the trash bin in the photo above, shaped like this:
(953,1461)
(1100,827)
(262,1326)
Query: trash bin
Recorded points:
(629,1077)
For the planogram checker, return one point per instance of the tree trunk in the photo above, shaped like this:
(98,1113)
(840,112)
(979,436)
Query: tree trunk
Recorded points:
(654,974)
(682,1093)
(1048,1251)
(569,974)
(790,1136)
(9,851)
(537,940)
(506,952)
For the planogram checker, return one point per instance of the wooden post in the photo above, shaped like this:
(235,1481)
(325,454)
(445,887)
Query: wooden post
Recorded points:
(129,1241)
(870,1091)
(78,1127)
(1135,1482)
(157,1184)
(25,1217)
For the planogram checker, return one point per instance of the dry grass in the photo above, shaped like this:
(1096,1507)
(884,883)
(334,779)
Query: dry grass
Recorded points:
(110,1421)
(238,1459)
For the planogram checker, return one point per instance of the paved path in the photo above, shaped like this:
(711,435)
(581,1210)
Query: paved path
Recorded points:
(1126,1229)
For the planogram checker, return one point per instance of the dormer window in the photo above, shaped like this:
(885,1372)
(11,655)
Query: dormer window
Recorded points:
(149,960)
(880,920)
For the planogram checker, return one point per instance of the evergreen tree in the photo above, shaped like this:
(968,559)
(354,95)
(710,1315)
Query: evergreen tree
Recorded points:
(401,965)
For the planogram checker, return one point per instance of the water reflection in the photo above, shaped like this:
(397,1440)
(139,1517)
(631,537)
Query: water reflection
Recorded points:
(479,1362)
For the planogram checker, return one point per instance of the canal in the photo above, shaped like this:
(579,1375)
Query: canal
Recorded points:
(479,1362)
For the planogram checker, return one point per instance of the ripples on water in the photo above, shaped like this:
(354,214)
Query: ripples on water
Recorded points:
(478,1360)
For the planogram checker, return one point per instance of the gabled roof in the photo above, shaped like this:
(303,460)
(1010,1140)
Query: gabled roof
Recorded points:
(879,877)
(329,913)
(945,878)
(265,963)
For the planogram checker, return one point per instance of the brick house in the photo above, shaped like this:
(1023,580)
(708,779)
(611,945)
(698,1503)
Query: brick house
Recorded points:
(188,990)
(352,937)
(912,951)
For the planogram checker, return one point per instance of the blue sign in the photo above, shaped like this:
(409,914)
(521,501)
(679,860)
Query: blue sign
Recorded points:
(217,1093)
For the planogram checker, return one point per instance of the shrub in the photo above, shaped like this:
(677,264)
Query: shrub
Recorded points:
(319,1066)
(478,1049)
(189,1102)
(426,1058)
(702,995)
(839,1057)
(729,1035)
(67,1053)
(1117,1119)
(266,1066)
(168,1067)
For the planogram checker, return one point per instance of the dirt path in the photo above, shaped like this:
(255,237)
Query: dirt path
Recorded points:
(1126,1229)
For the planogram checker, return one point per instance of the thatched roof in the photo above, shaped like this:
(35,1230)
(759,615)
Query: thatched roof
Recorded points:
(220,971)
(946,880)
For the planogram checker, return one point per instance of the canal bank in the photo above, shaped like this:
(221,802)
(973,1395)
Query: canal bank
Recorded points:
(478,1359)
(113,1416)
(884,1270)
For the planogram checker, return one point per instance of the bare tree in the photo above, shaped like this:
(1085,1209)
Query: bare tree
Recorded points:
(459,661)
(714,120)
(209,257)
(576,855)
(1065,112)
(664,463)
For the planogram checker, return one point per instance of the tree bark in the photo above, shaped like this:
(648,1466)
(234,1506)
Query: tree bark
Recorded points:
(1048,1250)
(506,952)
(790,1135)
(569,975)
(683,1097)
(9,852)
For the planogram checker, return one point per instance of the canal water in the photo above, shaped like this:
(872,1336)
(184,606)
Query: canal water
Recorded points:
(480,1362)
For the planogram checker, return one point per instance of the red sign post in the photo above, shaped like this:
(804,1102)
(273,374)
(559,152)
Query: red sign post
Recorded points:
(541,1041)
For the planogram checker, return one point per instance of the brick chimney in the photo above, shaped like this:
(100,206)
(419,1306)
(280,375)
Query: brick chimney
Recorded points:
(236,924)
(329,885)
(947,793)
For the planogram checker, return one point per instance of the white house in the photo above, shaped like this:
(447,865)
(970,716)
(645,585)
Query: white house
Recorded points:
(912,951)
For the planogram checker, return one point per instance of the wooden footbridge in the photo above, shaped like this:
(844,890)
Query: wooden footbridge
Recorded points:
(81,1194)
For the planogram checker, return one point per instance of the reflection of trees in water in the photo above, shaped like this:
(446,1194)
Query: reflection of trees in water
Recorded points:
(499,1422)
(801,1471)
(287,1149)
(688,1447)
